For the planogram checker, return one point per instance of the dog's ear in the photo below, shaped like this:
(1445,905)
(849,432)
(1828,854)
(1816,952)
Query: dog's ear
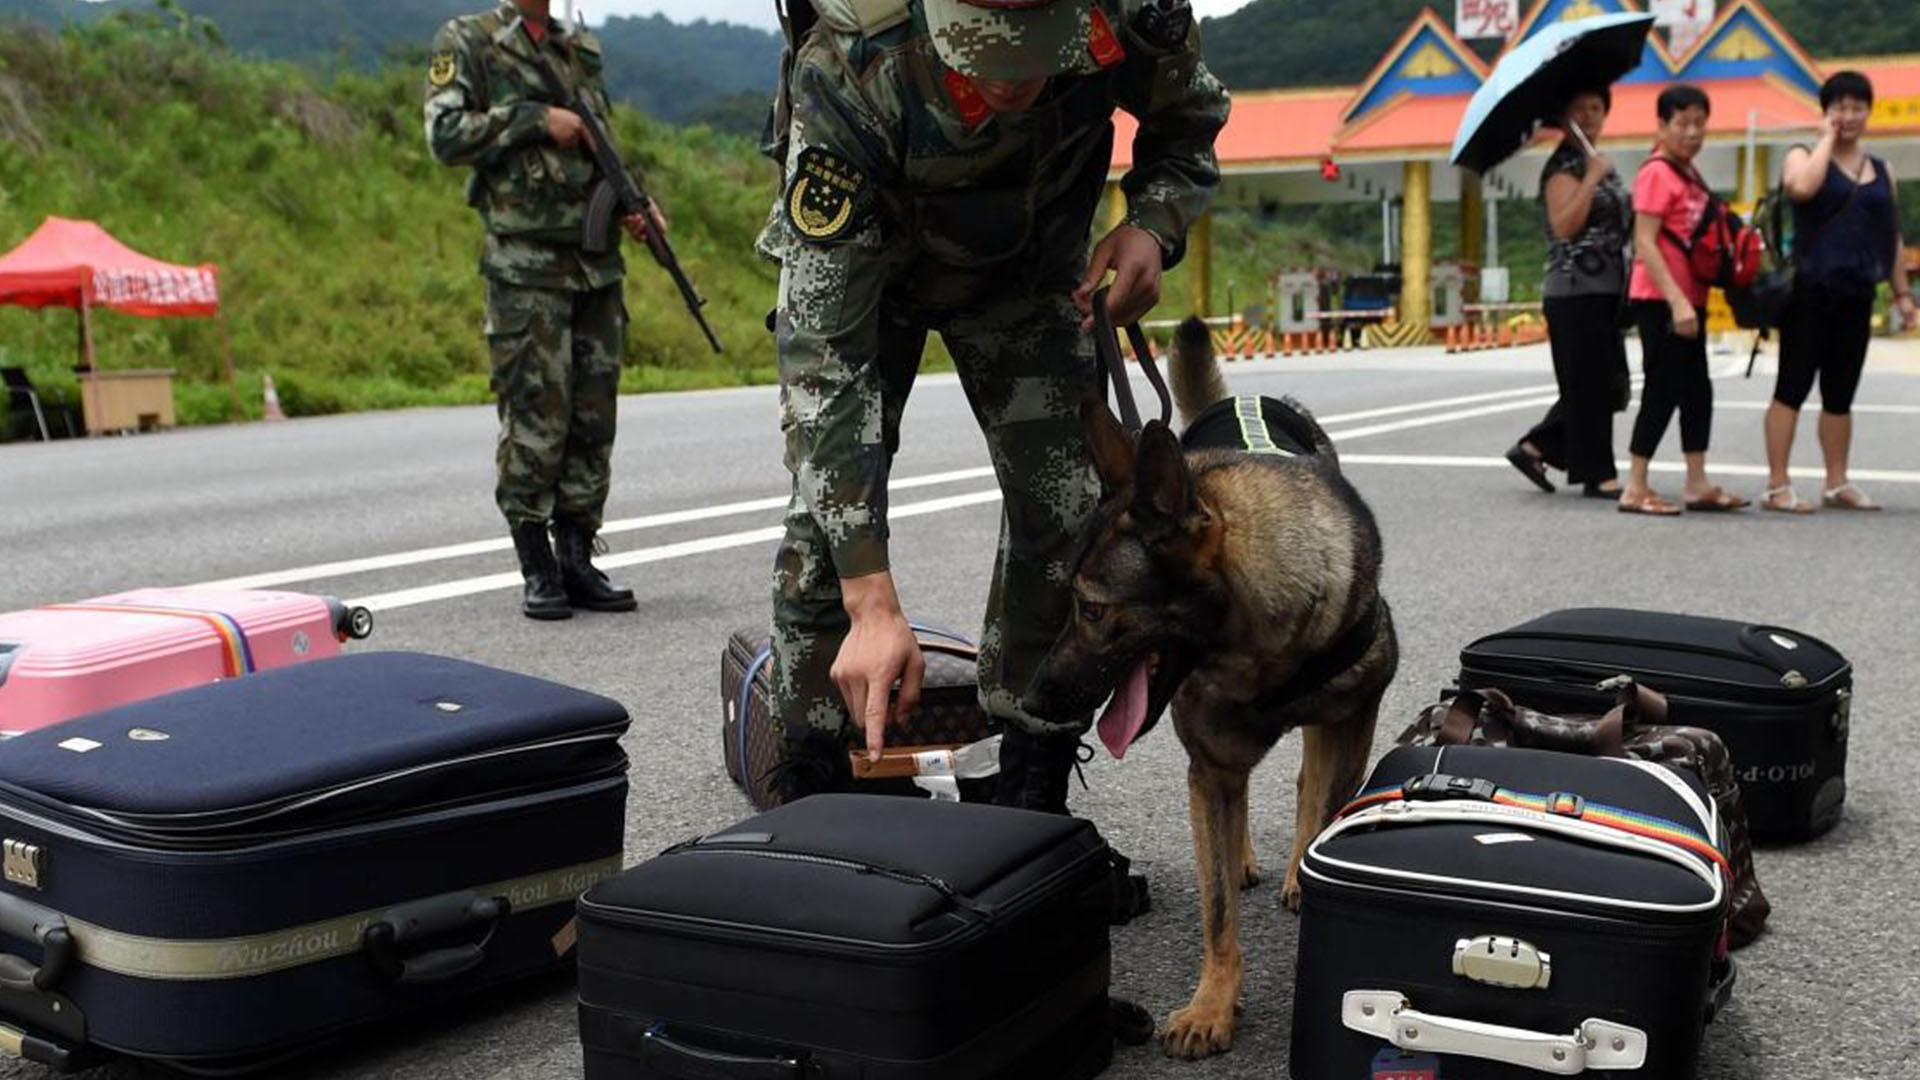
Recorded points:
(1163,485)
(1111,446)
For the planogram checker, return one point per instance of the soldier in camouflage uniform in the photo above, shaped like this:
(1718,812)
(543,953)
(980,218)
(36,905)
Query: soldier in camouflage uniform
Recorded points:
(943,162)
(556,316)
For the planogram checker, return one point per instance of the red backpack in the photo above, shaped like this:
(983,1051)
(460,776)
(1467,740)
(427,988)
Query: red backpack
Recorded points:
(1724,251)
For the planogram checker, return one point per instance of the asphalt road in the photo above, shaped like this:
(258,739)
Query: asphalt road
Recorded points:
(1830,991)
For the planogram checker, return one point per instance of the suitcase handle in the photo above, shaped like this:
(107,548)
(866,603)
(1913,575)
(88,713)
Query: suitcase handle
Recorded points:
(1596,1044)
(28,921)
(425,918)
(664,1056)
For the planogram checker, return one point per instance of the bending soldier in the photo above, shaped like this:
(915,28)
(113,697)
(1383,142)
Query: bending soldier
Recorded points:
(944,160)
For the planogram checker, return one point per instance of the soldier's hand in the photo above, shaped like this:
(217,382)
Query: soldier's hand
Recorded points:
(880,649)
(1134,256)
(637,225)
(565,127)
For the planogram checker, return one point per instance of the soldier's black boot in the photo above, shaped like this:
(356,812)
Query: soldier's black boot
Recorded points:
(1034,772)
(545,598)
(586,587)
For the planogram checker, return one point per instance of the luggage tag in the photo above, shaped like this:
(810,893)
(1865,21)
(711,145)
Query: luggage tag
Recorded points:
(940,771)
(1395,1064)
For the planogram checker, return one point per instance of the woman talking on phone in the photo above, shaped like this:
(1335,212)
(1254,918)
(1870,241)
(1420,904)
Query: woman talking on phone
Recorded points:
(1846,242)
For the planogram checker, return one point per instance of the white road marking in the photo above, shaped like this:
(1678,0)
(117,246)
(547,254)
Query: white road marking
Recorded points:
(467,587)
(375,563)
(482,547)
(1500,401)
(1442,461)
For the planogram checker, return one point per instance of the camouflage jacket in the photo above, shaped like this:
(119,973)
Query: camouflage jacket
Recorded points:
(486,106)
(900,181)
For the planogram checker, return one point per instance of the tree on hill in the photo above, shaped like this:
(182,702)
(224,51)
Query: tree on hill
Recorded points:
(669,70)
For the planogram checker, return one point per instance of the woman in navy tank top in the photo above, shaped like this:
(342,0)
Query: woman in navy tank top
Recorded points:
(1846,241)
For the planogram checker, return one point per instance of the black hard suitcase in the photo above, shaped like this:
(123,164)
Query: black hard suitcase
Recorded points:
(1486,940)
(223,875)
(855,936)
(1780,699)
(949,715)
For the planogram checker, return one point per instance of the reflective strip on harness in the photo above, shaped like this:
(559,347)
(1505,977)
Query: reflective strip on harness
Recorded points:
(260,954)
(235,654)
(1612,817)
(1253,427)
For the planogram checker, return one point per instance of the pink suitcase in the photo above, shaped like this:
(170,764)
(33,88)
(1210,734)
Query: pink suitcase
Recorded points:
(67,660)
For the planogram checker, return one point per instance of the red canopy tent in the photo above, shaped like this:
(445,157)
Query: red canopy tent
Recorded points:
(78,264)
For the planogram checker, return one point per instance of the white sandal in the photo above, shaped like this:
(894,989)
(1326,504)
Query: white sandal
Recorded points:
(1831,499)
(1793,505)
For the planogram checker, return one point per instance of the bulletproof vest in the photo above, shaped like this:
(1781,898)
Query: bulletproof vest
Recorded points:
(981,189)
(537,189)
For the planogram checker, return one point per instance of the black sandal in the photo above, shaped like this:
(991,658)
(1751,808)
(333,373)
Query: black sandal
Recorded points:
(1530,467)
(1595,491)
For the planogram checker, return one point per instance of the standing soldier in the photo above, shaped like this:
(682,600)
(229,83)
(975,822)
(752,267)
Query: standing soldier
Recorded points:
(944,160)
(556,315)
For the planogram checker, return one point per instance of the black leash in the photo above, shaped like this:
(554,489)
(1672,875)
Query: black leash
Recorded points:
(1107,343)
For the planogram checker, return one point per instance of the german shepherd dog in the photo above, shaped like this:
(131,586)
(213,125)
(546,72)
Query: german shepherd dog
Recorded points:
(1241,588)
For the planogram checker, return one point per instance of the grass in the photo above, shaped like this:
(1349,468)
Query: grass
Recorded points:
(348,258)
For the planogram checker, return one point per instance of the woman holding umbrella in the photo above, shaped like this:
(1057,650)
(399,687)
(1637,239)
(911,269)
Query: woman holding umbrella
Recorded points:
(1559,77)
(1587,221)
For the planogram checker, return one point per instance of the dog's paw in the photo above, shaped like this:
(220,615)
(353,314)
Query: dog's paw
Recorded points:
(1290,893)
(1251,875)
(1194,1033)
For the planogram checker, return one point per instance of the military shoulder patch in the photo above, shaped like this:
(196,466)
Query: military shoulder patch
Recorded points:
(826,197)
(440,71)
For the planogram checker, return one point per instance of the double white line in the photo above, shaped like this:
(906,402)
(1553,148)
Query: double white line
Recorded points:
(1391,419)
(1469,405)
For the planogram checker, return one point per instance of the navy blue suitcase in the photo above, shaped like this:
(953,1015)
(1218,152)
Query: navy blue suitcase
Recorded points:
(223,875)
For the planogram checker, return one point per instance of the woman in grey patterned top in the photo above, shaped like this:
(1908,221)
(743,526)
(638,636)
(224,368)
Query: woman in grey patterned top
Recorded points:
(1588,222)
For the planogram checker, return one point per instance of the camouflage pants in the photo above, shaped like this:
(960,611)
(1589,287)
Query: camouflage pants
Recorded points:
(1025,366)
(556,374)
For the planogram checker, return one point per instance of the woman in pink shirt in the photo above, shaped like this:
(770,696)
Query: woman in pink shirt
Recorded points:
(1669,305)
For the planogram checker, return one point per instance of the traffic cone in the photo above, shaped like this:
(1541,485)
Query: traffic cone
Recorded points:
(273,403)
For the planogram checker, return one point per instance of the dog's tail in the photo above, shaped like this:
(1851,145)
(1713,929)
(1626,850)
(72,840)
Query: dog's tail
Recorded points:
(1195,371)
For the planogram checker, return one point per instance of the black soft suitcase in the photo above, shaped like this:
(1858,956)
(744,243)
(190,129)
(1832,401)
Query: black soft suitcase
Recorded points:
(1780,699)
(221,875)
(1459,926)
(855,936)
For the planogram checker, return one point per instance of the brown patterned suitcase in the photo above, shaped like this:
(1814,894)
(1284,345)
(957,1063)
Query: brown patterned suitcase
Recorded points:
(949,724)
(1635,727)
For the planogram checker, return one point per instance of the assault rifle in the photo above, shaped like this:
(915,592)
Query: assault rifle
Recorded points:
(617,196)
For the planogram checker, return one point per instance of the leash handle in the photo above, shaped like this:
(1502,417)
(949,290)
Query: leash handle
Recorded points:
(1107,344)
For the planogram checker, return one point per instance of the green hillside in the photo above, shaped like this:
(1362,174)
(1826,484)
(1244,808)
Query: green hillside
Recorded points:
(671,71)
(349,260)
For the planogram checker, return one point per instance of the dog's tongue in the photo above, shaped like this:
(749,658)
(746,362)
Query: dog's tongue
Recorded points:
(1126,713)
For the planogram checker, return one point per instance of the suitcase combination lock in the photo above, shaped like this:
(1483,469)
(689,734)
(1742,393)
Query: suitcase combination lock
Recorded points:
(1502,961)
(24,863)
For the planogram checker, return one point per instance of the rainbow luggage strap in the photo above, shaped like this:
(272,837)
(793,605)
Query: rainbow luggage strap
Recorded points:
(1438,787)
(236,654)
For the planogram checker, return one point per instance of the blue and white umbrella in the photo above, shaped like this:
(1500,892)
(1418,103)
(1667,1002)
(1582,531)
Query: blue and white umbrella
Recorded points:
(1532,84)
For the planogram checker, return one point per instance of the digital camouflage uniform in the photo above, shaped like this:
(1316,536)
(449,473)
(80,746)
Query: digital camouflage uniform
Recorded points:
(908,208)
(556,316)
